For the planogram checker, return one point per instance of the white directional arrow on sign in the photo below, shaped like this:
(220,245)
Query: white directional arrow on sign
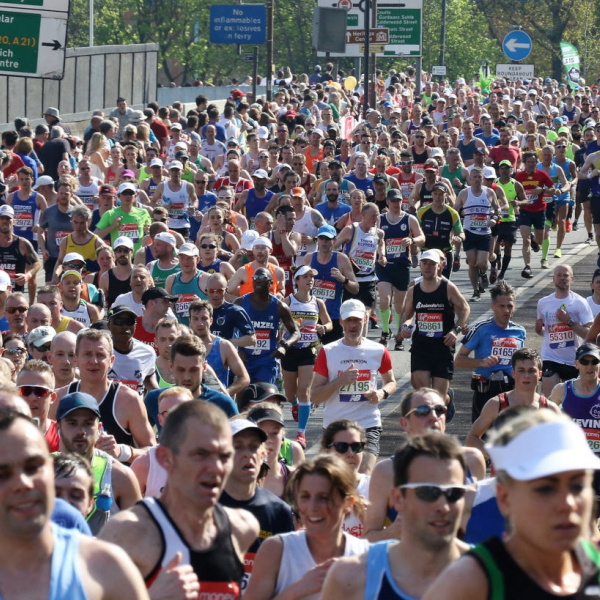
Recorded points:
(512,45)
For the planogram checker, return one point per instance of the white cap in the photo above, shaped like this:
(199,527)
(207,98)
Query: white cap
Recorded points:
(263,133)
(176,126)
(188,249)
(436,152)
(4,281)
(305,269)
(262,241)
(489,173)
(352,308)
(7,211)
(248,238)
(176,165)
(156,162)
(544,450)
(260,174)
(71,256)
(123,241)
(431,255)
(126,186)
(166,237)
(41,335)
(43,180)
(461,81)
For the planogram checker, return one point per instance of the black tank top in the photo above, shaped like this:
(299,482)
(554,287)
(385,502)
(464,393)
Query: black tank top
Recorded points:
(434,318)
(218,568)
(419,157)
(107,414)
(425,195)
(116,287)
(13,262)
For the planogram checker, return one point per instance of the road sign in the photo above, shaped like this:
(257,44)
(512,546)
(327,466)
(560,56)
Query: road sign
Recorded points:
(517,45)
(438,70)
(376,36)
(53,5)
(515,71)
(373,48)
(238,24)
(32,42)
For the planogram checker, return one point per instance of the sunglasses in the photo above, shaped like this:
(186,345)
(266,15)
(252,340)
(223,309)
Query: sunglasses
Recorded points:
(11,310)
(207,246)
(424,410)
(127,193)
(122,322)
(219,291)
(586,362)
(162,220)
(122,250)
(200,182)
(262,278)
(342,447)
(37,390)
(44,348)
(15,351)
(431,492)
(406,162)
(74,266)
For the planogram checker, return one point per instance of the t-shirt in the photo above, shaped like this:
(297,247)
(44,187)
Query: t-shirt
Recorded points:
(231,321)
(206,201)
(57,225)
(131,369)
(69,517)
(132,224)
(560,341)
(538,178)
(128,301)
(593,306)
(331,215)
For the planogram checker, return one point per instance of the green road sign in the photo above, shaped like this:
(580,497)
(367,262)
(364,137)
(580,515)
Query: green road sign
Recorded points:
(405,25)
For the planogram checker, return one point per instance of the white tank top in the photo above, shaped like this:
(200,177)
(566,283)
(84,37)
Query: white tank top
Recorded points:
(477,211)
(81,314)
(157,476)
(305,226)
(306,314)
(177,204)
(353,523)
(88,193)
(297,560)
(363,250)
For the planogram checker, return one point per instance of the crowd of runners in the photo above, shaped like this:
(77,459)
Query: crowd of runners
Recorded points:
(175,280)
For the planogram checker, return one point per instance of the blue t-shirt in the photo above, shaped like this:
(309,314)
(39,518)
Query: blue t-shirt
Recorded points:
(332,215)
(206,201)
(231,321)
(69,517)
(491,141)
(485,338)
(362,184)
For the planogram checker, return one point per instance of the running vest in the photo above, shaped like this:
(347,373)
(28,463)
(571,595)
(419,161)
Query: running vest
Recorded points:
(566,167)
(116,287)
(553,174)
(503,405)
(467,151)
(159,275)
(510,190)
(162,382)
(452,175)
(254,205)
(13,262)
(186,294)
(152,185)
(434,318)
(246,288)
(425,194)
(88,193)
(570,114)
(218,568)
(380,584)
(477,212)
(157,476)
(266,325)
(362,249)
(584,411)
(326,287)
(87,250)
(214,267)
(406,187)
(80,314)
(343,185)
(394,233)
(285,262)
(177,204)
(102,471)
(108,416)
(216,362)
(305,226)
(419,158)
(306,315)
(286,452)
(25,215)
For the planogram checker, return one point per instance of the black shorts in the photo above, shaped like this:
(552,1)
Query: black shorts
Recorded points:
(366,293)
(550,212)
(507,231)
(298,357)
(397,275)
(439,365)
(477,242)
(373,437)
(494,230)
(565,372)
(528,218)
(49,268)
(595,206)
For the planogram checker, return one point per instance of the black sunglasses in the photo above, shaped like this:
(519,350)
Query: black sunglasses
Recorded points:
(431,492)
(44,348)
(425,409)
(123,321)
(586,362)
(207,246)
(127,193)
(37,390)
(342,447)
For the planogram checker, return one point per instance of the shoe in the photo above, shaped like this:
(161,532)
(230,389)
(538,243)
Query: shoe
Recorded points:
(451,406)
(545,264)
(456,264)
(590,239)
(414,261)
(483,280)
(575,225)
(568,226)
(558,253)
(399,346)
(385,336)
(501,276)
(373,322)
(295,411)
(526,273)
(313,408)
(481,288)
(476,297)
(493,275)
(301,439)
(534,245)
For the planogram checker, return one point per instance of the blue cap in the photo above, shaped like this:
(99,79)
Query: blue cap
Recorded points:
(547,80)
(327,231)
(387,105)
(558,120)
(75,401)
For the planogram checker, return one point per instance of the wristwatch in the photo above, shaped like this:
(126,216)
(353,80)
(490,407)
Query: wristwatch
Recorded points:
(386,394)
(457,329)
(570,323)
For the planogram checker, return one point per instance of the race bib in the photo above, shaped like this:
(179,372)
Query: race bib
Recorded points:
(430,324)
(504,348)
(177,209)
(24,219)
(248,566)
(364,259)
(323,289)
(308,335)
(130,230)
(560,336)
(530,199)
(88,201)
(353,392)
(59,236)
(593,439)
(218,590)
(263,342)
(182,306)
(479,222)
(394,247)
(420,169)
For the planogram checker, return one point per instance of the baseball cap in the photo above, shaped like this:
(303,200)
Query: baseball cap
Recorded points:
(127,173)
(188,249)
(262,241)
(239,425)
(352,308)
(543,450)
(43,180)
(166,237)
(563,130)
(263,132)
(430,168)
(438,185)
(154,293)
(380,178)
(75,401)
(587,350)
(505,162)
(260,415)
(261,391)
(120,309)
(41,335)
(176,126)
(489,173)
(156,162)
(126,186)
(260,174)
(327,231)
(480,149)
(247,239)
(318,132)
(176,165)
(7,211)
(303,270)
(394,195)
(387,105)
(431,255)
(4,281)
(182,154)
(436,152)
(123,241)
(71,272)
(298,191)
(107,190)
(73,256)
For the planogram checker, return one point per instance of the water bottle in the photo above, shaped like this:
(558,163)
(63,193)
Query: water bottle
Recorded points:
(104,500)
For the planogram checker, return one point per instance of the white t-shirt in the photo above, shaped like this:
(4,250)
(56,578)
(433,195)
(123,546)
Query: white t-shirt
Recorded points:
(595,307)
(133,368)
(128,301)
(560,341)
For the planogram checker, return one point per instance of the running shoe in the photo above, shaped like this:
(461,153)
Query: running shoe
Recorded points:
(483,280)
(590,239)
(558,253)
(476,297)
(526,272)
(575,226)
(414,261)
(456,263)
(373,322)
(568,226)
(399,346)
(301,439)
(295,411)
(534,245)
(385,336)
(545,264)
(493,275)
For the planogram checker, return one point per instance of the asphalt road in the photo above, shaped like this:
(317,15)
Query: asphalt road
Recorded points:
(575,252)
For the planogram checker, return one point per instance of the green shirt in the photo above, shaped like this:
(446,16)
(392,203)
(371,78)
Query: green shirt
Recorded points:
(131,226)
